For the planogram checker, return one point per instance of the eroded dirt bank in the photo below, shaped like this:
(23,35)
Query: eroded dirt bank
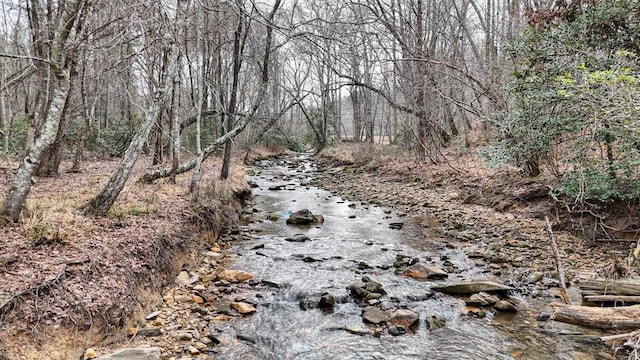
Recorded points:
(70,282)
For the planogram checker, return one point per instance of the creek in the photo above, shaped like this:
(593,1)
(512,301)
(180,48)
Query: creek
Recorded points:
(356,240)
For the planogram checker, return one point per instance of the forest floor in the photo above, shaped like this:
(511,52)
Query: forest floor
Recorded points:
(69,281)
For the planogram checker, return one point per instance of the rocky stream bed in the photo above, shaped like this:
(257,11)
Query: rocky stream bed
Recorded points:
(364,278)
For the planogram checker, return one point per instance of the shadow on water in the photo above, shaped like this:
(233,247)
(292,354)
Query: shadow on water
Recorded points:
(352,234)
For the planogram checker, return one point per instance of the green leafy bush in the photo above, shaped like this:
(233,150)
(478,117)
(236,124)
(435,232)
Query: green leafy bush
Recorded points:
(576,91)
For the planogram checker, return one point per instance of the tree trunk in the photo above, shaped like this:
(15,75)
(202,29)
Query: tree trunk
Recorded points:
(175,131)
(238,47)
(158,145)
(100,205)
(175,91)
(52,157)
(21,184)
(357,114)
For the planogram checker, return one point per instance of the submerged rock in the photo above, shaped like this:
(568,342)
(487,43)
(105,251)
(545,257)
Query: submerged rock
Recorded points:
(273,217)
(357,330)
(309,303)
(396,226)
(404,260)
(505,306)
(297,238)
(476,312)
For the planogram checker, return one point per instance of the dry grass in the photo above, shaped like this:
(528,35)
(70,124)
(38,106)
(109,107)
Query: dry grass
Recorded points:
(90,272)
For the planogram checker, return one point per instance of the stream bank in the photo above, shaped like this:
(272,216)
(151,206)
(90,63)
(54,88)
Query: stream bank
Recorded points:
(266,297)
(296,292)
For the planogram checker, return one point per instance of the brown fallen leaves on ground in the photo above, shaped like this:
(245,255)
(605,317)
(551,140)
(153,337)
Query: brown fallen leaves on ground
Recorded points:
(64,270)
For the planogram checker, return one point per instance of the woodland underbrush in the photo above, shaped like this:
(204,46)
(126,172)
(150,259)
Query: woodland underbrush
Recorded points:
(69,281)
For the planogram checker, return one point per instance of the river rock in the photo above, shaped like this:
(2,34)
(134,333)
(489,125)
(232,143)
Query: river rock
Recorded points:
(186,278)
(357,330)
(396,226)
(222,306)
(505,306)
(149,332)
(374,287)
(476,312)
(153,315)
(90,353)
(234,276)
(297,238)
(243,308)
(422,272)
(405,318)
(367,290)
(184,336)
(326,301)
(463,288)
(397,330)
(482,299)
(152,353)
(404,260)
(304,217)
(375,315)
(357,291)
(543,316)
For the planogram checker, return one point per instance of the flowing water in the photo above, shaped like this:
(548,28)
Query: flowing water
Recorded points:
(289,272)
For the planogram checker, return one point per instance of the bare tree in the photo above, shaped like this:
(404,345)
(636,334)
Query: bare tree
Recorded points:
(56,56)
(102,202)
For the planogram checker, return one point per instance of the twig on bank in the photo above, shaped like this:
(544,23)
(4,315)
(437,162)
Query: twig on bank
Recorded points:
(556,255)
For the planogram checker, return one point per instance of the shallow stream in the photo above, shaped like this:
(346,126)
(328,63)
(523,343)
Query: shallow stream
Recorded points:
(354,234)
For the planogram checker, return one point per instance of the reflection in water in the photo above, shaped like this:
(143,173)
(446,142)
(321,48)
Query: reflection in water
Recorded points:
(354,233)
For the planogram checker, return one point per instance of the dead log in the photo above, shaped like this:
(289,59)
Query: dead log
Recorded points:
(607,318)
(617,299)
(590,286)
